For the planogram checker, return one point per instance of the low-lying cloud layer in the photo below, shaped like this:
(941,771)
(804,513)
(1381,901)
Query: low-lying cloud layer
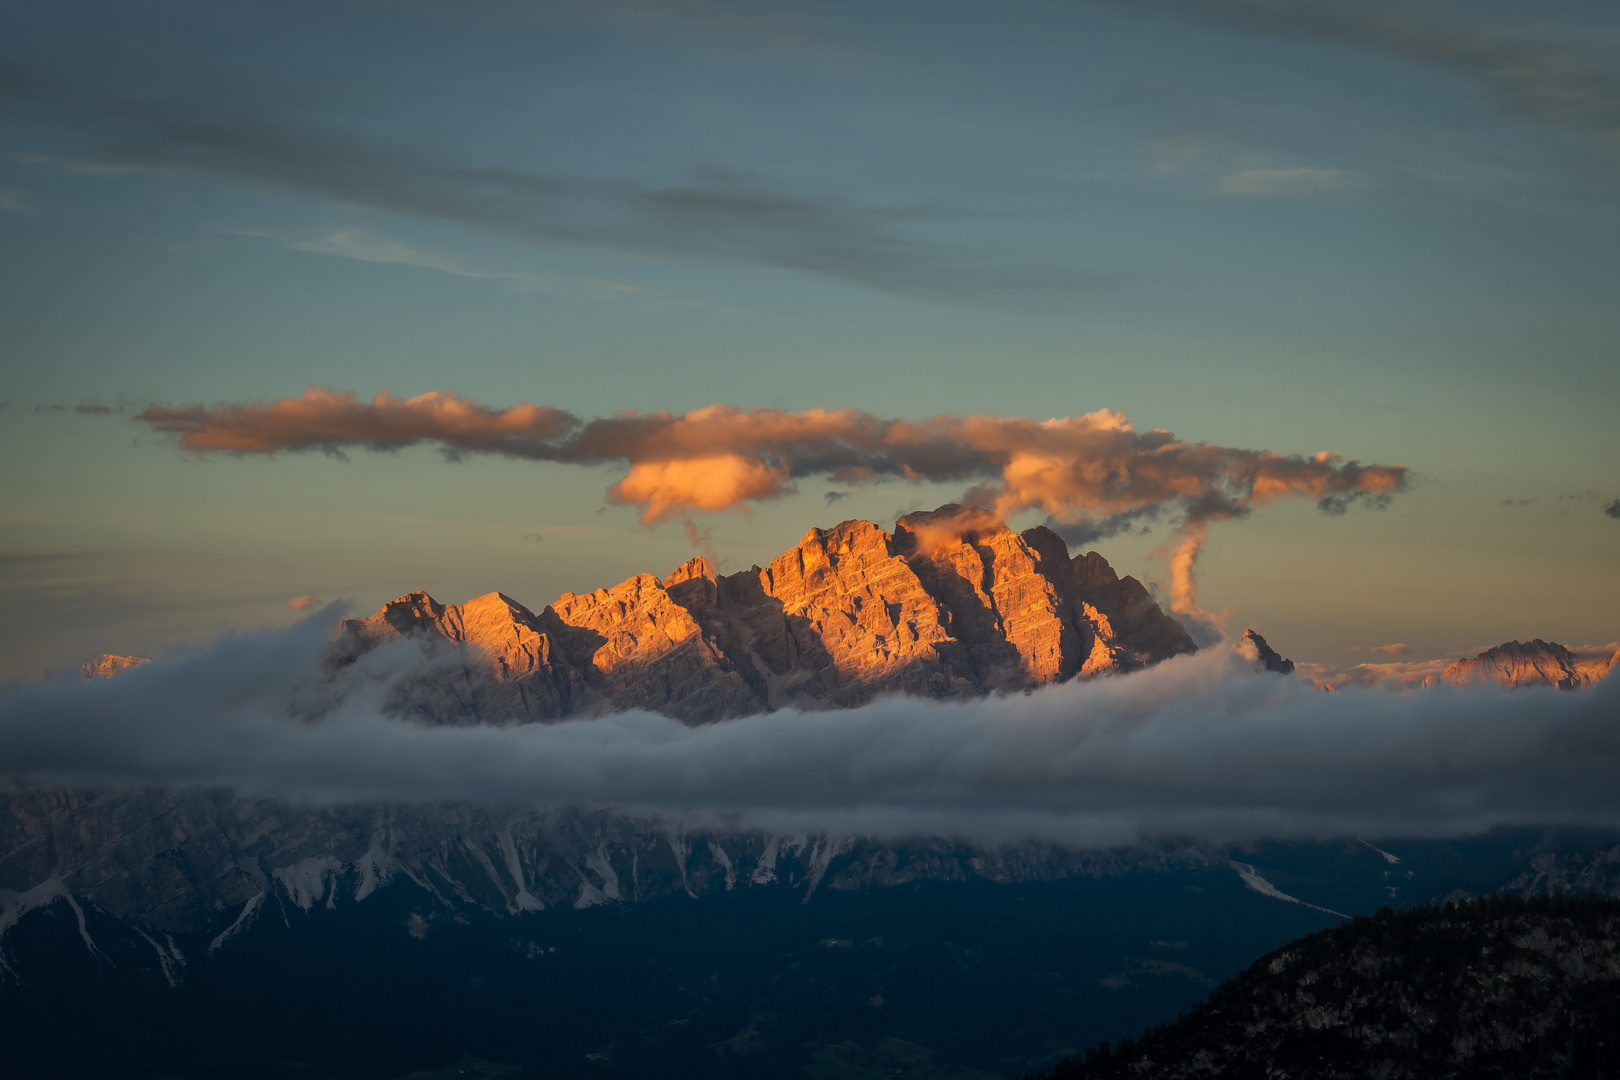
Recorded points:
(1199,746)
(1093,475)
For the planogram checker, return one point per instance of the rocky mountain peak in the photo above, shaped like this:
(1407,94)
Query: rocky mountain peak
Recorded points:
(952,604)
(1530,663)
(1269,659)
(690,570)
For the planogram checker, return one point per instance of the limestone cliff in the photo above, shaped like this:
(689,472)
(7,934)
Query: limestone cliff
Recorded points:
(1533,663)
(953,604)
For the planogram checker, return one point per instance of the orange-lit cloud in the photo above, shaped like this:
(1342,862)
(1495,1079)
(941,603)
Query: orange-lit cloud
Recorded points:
(1399,648)
(1395,675)
(301,603)
(1092,475)
(328,420)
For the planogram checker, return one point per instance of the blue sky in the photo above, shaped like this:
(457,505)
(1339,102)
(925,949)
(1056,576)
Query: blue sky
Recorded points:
(1388,231)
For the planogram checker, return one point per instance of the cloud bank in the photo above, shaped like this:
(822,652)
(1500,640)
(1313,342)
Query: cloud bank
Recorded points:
(1095,474)
(1198,747)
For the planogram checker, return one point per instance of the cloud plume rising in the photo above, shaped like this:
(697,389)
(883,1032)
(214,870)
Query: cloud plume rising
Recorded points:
(1092,475)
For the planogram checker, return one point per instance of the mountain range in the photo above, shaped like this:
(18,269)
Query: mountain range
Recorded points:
(952,604)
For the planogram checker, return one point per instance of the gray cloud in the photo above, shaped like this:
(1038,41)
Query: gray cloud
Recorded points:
(1089,532)
(1528,75)
(785,31)
(1612,508)
(193,124)
(1196,747)
(1338,505)
(84,408)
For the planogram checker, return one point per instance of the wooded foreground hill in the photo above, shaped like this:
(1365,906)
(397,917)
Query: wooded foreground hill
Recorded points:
(1496,987)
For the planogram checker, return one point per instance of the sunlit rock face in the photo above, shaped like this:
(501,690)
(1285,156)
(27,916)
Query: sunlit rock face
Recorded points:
(952,605)
(106,665)
(1529,663)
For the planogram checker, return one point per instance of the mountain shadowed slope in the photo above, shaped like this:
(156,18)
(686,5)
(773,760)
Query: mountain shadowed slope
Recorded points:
(1269,658)
(1498,987)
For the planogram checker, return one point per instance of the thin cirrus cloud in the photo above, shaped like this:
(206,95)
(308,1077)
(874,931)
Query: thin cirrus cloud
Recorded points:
(215,127)
(361,245)
(1286,183)
(1091,474)
(1200,746)
(1528,75)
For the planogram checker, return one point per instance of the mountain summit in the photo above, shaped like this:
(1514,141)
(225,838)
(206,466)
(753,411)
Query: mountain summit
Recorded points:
(1530,663)
(952,604)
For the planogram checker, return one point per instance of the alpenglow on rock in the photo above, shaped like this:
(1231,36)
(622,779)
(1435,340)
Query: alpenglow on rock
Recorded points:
(106,665)
(1530,663)
(953,604)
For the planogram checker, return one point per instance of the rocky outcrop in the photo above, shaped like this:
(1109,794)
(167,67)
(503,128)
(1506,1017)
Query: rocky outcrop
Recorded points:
(1267,657)
(1529,663)
(1578,873)
(842,618)
(952,605)
(636,648)
(106,665)
(1130,625)
(489,659)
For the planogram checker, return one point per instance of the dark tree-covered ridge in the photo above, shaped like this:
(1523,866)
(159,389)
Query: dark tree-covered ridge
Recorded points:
(1496,987)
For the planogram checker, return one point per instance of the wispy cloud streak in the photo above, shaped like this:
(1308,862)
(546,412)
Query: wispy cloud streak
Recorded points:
(1528,75)
(190,124)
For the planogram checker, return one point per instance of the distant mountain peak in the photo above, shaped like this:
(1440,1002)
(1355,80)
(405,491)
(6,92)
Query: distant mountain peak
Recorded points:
(1269,658)
(106,665)
(1529,663)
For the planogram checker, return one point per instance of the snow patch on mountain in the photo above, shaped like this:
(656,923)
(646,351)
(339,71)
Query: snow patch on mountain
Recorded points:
(310,881)
(244,919)
(1251,877)
(14,905)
